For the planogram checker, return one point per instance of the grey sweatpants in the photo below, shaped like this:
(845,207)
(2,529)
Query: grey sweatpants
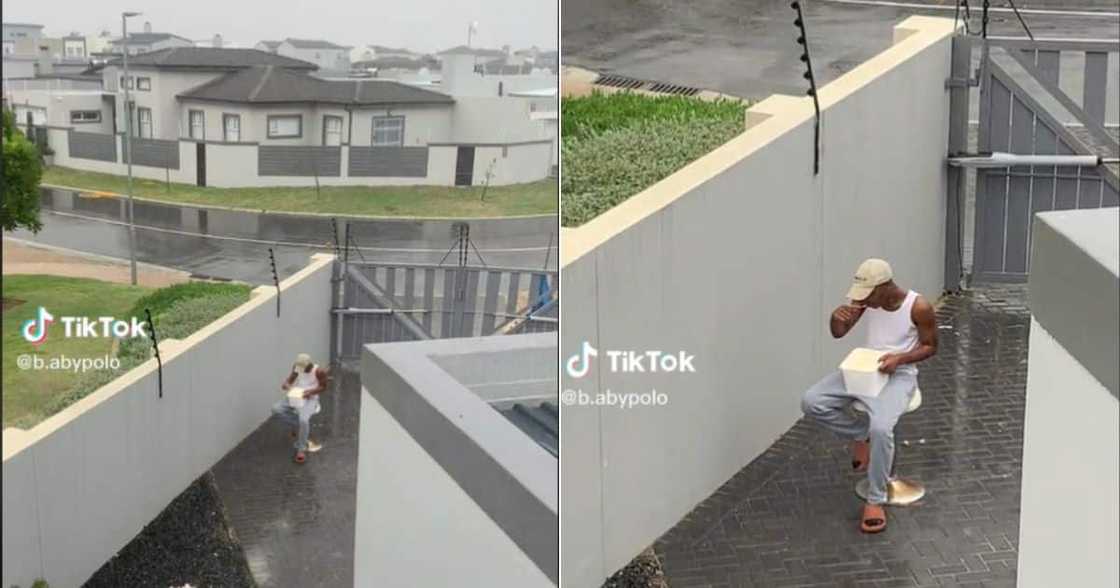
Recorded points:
(827,403)
(295,418)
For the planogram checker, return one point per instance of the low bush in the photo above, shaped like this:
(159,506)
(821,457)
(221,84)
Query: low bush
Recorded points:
(177,311)
(607,168)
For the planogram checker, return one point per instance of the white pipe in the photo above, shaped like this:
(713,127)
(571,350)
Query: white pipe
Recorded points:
(998,159)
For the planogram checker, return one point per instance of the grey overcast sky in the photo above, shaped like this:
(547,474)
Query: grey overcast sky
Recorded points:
(422,25)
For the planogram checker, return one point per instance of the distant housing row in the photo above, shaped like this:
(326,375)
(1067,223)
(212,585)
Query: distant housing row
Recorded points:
(280,115)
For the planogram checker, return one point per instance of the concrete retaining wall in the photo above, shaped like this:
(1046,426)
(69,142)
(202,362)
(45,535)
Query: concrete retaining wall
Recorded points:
(80,485)
(737,259)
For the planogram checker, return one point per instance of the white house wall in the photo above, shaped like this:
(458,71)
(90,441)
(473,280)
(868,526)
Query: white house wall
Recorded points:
(58,105)
(166,118)
(422,124)
(495,120)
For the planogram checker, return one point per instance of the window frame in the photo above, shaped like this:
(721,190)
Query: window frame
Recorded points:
(139,84)
(83,121)
(373,130)
(299,126)
(226,117)
(190,123)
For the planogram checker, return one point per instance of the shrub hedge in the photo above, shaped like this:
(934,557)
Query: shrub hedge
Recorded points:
(616,145)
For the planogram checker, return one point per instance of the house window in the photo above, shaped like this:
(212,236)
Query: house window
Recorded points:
(197,124)
(38,114)
(231,128)
(144,84)
(388,131)
(285,126)
(85,116)
(127,83)
(144,129)
(332,130)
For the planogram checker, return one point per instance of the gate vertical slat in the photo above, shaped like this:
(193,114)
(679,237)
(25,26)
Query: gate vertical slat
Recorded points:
(1049,63)
(514,290)
(1089,188)
(490,304)
(429,298)
(1018,220)
(469,316)
(391,285)
(1066,190)
(992,204)
(450,278)
(409,286)
(1096,85)
(1043,190)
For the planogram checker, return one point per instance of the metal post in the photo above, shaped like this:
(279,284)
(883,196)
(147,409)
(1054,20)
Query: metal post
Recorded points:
(958,143)
(128,146)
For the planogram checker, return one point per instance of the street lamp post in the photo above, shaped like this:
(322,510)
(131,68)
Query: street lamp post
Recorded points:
(128,144)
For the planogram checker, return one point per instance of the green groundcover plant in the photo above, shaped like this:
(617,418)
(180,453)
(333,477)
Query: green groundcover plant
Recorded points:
(177,312)
(616,145)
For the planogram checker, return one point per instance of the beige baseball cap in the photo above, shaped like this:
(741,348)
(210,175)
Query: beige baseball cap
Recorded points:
(303,360)
(872,272)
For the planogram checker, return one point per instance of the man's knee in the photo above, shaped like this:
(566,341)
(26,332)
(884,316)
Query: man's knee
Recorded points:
(811,404)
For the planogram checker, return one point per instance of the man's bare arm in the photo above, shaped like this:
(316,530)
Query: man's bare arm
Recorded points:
(925,319)
(288,381)
(843,319)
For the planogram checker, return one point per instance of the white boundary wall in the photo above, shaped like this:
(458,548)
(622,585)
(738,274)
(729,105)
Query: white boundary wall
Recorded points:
(737,259)
(80,485)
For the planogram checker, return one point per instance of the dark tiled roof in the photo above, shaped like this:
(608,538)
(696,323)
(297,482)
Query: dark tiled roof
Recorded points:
(464,50)
(145,38)
(312,44)
(541,423)
(397,63)
(213,58)
(272,85)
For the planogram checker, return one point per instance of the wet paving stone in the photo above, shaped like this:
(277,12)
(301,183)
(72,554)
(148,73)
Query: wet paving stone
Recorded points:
(791,517)
(296,521)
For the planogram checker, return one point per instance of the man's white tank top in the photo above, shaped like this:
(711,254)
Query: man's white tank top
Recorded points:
(893,331)
(307,380)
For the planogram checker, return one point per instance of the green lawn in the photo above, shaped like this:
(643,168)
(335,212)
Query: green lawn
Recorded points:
(28,393)
(420,201)
(616,145)
(177,311)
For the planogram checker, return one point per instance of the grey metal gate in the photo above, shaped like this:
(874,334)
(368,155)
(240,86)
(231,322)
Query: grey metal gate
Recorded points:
(383,302)
(1026,108)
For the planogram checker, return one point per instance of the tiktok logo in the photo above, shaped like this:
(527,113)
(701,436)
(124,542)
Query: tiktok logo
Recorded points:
(579,364)
(35,330)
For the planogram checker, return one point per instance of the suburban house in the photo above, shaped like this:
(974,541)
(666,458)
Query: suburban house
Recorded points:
(375,52)
(148,41)
(14,32)
(328,56)
(157,78)
(244,117)
(74,47)
(278,106)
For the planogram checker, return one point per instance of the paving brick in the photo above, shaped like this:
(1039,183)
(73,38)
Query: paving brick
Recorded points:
(790,518)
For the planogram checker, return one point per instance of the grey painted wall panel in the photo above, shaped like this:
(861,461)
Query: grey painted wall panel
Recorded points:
(392,162)
(155,153)
(299,160)
(99,146)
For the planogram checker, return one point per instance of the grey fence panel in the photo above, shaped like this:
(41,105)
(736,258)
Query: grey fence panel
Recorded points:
(99,146)
(473,302)
(155,153)
(388,162)
(1024,115)
(299,160)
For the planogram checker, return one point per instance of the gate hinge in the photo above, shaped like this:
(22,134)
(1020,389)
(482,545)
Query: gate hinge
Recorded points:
(962,82)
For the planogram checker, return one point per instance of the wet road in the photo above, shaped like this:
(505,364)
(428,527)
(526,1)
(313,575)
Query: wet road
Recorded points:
(746,47)
(234,245)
